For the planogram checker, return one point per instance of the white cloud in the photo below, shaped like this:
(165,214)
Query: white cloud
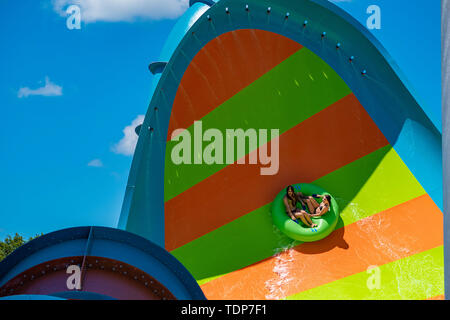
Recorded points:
(127,144)
(50,89)
(123,10)
(95,163)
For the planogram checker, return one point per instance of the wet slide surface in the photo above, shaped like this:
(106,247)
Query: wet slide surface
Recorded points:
(217,217)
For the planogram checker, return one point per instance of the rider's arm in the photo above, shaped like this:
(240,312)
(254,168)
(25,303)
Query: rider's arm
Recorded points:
(300,197)
(288,209)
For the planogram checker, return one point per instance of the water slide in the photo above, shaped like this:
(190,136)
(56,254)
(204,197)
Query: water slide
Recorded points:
(347,121)
(94,263)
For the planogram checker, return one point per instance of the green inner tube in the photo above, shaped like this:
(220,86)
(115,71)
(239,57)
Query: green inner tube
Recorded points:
(299,231)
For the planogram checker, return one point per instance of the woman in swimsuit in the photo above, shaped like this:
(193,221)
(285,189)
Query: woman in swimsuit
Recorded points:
(317,209)
(290,201)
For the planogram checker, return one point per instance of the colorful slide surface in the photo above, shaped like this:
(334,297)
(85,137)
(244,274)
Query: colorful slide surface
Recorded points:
(349,126)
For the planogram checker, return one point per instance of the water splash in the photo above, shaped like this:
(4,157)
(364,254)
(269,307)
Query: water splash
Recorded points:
(278,284)
(406,283)
(374,227)
(283,257)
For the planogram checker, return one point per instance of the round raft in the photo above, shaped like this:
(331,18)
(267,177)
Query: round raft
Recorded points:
(299,231)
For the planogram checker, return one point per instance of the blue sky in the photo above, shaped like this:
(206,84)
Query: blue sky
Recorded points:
(67,96)
(410,31)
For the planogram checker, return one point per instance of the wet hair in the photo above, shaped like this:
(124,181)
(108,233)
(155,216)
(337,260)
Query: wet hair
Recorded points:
(328,198)
(293,191)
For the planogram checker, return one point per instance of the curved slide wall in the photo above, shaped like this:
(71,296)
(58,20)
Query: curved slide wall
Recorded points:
(112,264)
(350,126)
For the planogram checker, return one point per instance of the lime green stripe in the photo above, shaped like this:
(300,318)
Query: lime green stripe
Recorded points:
(203,281)
(362,188)
(419,276)
(271,102)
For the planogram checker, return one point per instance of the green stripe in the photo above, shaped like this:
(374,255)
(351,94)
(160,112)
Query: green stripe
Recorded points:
(271,102)
(419,276)
(362,188)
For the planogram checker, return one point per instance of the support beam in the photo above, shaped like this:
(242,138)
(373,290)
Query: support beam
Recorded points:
(445,34)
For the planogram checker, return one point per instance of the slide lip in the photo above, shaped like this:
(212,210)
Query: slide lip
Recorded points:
(326,223)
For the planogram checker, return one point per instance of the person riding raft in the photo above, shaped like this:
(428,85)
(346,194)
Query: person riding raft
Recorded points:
(292,198)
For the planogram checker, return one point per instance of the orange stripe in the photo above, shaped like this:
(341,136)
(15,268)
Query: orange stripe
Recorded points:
(396,233)
(346,131)
(439,297)
(225,66)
